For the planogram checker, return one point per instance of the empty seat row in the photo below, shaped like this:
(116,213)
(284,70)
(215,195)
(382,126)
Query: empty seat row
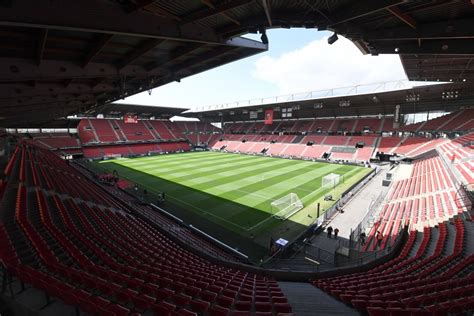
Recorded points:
(103,260)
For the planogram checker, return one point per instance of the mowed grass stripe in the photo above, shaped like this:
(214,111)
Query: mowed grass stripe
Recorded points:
(187,169)
(234,190)
(234,193)
(274,187)
(244,194)
(317,194)
(151,182)
(260,179)
(165,159)
(192,179)
(238,174)
(168,160)
(304,189)
(300,182)
(215,171)
(205,200)
(166,165)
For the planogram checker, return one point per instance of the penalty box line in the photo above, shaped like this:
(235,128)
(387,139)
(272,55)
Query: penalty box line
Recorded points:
(227,221)
(302,199)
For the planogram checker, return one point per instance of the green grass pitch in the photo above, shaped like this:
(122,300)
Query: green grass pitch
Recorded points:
(235,191)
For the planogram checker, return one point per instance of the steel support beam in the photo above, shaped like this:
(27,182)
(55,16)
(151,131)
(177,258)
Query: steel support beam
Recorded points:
(141,50)
(41,45)
(404,17)
(455,29)
(178,53)
(102,17)
(216,9)
(228,17)
(12,70)
(428,47)
(154,7)
(267,9)
(359,9)
(98,47)
(13,91)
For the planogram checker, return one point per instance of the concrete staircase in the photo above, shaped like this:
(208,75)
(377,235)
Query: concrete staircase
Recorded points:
(151,129)
(116,128)
(398,145)
(93,130)
(307,300)
(297,139)
(332,125)
(446,122)
(310,129)
(354,126)
(381,126)
(421,126)
(466,123)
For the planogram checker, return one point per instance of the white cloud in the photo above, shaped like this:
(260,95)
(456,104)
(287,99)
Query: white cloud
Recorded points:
(319,66)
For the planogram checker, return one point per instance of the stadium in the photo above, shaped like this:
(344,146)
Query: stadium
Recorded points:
(341,201)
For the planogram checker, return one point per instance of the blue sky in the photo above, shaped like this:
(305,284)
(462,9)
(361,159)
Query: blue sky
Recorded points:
(298,60)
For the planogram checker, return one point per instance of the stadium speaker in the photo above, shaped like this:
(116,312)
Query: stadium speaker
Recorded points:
(264,37)
(244,140)
(332,39)
(360,145)
(221,139)
(310,143)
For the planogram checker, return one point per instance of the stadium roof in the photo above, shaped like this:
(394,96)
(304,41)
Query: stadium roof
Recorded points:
(142,111)
(441,97)
(62,57)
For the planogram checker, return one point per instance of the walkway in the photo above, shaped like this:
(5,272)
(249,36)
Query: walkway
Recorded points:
(306,299)
(354,211)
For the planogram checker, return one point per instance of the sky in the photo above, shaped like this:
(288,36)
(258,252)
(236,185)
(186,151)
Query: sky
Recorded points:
(298,60)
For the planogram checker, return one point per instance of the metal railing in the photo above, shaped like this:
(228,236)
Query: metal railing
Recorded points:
(376,87)
(311,263)
(323,219)
(370,217)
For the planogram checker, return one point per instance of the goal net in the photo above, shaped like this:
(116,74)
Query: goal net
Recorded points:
(330,180)
(286,206)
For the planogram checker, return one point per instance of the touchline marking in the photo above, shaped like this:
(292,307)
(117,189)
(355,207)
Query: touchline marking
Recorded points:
(199,209)
(249,193)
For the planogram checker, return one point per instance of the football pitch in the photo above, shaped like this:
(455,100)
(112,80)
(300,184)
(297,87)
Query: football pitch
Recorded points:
(235,191)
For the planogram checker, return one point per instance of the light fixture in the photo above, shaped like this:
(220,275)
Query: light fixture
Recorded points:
(332,39)
(450,95)
(318,105)
(344,103)
(412,97)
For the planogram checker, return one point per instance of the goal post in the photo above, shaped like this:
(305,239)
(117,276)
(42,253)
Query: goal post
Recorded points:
(331,180)
(286,206)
